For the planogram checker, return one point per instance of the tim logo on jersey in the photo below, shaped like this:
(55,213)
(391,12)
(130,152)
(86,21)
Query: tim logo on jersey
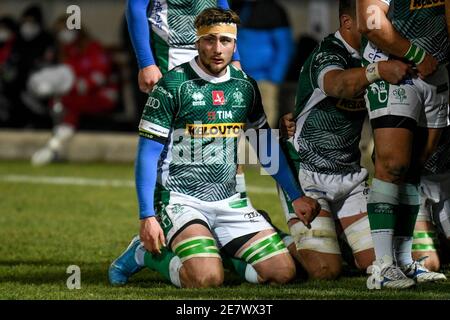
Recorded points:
(218,98)
(423,4)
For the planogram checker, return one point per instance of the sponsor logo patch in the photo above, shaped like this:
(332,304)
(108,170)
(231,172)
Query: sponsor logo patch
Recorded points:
(215,130)
(153,103)
(351,105)
(218,98)
(423,4)
(198,98)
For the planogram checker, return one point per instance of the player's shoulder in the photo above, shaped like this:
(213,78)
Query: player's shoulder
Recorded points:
(330,51)
(332,44)
(239,75)
(175,77)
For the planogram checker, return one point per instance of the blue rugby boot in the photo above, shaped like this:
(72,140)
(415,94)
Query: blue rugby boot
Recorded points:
(125,265)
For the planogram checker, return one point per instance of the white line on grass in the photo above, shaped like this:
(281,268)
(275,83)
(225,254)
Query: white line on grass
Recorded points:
(74,181)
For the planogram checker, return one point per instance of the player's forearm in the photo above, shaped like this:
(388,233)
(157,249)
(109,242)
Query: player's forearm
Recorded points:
(146,168)
(139,31)
(345,83)
(374,24)
(276,163)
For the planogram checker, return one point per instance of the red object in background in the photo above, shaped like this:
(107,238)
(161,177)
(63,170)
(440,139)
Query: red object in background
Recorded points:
(5,50)
(93,92)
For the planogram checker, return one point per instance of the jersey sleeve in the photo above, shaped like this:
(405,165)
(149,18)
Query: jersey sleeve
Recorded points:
(325,61)
(387,2)
(159,113)
(138,28)
(256,118)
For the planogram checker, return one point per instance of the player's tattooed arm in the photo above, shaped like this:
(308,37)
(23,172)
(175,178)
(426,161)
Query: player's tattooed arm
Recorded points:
(375,25)
(352,82)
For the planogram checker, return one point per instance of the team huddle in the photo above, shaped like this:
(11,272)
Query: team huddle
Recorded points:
(387,59)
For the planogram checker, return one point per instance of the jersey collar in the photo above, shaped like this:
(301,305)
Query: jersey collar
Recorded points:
(202,74)
(355,54)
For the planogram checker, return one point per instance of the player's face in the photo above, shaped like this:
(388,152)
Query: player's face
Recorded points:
(215,52)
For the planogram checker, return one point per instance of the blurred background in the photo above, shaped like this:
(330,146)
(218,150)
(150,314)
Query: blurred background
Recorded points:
(104,22)
(102,103)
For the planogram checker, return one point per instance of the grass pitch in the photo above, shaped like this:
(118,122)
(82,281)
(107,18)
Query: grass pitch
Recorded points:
(49,221)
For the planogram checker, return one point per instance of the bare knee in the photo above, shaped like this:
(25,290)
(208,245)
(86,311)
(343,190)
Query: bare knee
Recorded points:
(277,272)
(432,263)
(202,273)
(207,280)
(364,259)
(286,274)
(321,266)
(325,271)
(391,168)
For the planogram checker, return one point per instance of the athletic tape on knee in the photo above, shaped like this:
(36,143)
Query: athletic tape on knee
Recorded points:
(288,240)
(263,249)
(424,214)
(321,237)
(197,247)
(358,235)
(424,241)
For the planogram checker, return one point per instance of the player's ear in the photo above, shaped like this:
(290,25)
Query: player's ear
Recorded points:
(346,21)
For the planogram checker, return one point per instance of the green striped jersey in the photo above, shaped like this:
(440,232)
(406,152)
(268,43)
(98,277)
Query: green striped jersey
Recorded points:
(423,23)
(439,161)
(199,118)
(328,129)
(172,22)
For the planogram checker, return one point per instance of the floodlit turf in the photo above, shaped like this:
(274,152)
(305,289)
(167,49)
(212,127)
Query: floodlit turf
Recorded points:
(44,228)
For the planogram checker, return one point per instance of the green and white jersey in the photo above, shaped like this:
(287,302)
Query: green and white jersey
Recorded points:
(199,119)
(328,129)
(423,23)
(172,22)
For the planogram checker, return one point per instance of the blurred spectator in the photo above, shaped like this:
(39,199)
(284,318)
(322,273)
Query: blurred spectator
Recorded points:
(8,92)
(35,50)
(305,46)
(80,86)
(265,46)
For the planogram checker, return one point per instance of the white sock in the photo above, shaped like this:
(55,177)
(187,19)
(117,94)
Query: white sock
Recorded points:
(382,242)
(403,250)
(250,274)
(240,183)
(139,255)
(174,271)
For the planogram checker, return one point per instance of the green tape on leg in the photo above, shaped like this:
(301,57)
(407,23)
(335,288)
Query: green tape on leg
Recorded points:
(425,241)
(425,234)
(423,247)
(263,249)
(197,247)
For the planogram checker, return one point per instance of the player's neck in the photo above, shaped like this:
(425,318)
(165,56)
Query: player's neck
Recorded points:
(350,39)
